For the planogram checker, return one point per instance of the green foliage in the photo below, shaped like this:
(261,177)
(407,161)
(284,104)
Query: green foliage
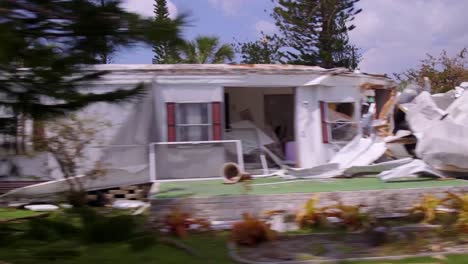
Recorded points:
(106,229)
(211,248)
(206,50)
(89,226)
(459,202)
(5,235)
(58,251)
(251,231)
(142,242)
(161,11)
(165,52)
(48,229)
(8,214)
(444,72)
(352,218)
(317,31)
(351,215)
(263,51)
(54,40)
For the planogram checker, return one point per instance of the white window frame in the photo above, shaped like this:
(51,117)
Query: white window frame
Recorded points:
(329,123)
(179,125)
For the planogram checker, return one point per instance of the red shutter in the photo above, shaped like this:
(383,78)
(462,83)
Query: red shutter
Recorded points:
(217,126)
(323,116)
(171,122)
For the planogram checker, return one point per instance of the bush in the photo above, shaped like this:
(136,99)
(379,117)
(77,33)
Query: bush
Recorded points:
(427,207)
(310,215)
(100,229)
(351,216)
(178,222)
(57,251)
(50,229)
(6,235)
(251,231)
(142,242)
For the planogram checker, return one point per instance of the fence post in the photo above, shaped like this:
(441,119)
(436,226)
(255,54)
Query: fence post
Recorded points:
(152,162)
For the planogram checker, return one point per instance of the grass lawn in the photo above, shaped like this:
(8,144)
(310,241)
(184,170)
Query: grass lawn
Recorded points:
(8,214)
(451,259)
(210,188)
(210,248)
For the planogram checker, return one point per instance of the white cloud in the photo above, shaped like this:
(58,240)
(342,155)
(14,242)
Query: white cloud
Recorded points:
(229,7)
(145,7)
(396,34)
(265,27)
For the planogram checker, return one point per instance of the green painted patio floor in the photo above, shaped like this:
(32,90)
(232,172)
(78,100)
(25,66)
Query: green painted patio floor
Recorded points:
(211,188)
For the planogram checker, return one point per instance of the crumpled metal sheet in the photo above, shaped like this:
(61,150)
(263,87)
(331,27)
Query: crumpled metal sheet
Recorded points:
(422,112)
(360,151)
(410,170)
(376,168)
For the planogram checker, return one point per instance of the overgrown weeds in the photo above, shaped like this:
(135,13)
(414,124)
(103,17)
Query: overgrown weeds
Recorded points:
(428,208)
(310,215)
(350,216)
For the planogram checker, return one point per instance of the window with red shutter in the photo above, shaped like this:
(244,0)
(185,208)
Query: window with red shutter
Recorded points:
(194,121)
(171,122)
(217,126)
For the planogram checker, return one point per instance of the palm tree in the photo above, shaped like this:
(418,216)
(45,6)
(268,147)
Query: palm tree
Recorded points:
(206,50)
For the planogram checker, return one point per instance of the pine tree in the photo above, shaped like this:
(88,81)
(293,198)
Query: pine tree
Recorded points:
(263,51)
(317,31)
(46,45)
(165,52)
(161,10)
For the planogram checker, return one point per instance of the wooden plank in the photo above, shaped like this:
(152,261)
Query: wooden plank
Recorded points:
(91,197)
(129,188)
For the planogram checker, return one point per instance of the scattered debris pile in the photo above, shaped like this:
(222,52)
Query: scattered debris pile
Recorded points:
(415,134)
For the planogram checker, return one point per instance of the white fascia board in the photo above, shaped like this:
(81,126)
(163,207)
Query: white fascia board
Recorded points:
(327,80)
(251,80)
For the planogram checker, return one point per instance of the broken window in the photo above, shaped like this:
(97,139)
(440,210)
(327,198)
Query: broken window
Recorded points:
(338,122)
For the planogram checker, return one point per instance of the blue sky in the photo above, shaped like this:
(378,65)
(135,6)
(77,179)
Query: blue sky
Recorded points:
(240,20)
(393,35)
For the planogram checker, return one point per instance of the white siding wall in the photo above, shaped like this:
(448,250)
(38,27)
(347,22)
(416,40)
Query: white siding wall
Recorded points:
(181,93)
(310,147)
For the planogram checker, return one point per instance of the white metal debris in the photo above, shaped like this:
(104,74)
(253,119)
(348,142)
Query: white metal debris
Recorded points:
(127,204)
(410,170)
(42,207)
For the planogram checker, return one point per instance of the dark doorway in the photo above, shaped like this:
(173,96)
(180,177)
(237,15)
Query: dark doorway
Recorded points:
(279,115)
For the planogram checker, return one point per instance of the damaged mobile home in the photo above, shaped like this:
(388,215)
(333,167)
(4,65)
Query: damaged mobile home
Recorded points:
(195,118)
